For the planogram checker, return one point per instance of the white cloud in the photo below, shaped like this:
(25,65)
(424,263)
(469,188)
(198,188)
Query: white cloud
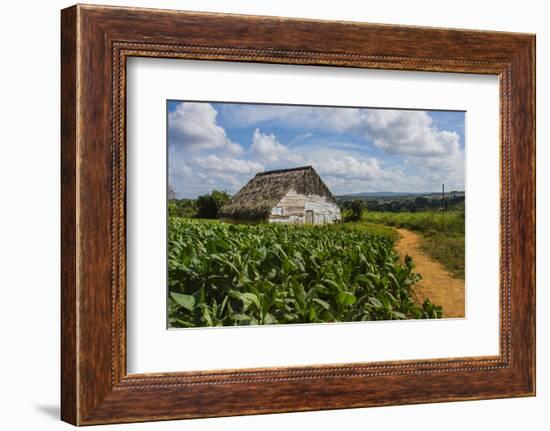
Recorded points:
(435,171)
(269,150)
(350,167)
(396,132)
(226,164)
(345,172)
(186,170)
(194,127)
(232,183)
(417,156)
(325,118)
(192,176)
(408,133)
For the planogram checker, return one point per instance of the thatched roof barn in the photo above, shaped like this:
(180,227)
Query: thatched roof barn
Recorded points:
(296,195)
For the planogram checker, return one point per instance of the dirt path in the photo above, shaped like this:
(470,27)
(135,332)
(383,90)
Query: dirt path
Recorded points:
(436,284)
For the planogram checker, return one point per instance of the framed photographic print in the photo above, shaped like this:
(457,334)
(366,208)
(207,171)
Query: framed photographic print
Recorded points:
(265,215)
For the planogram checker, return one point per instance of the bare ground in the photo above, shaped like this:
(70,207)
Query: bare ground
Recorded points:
(437,283)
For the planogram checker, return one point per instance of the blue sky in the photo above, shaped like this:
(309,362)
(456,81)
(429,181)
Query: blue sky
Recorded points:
(222,145)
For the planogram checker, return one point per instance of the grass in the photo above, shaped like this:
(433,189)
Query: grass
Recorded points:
(426,222)
(442,234)
(372,229)
(447,249)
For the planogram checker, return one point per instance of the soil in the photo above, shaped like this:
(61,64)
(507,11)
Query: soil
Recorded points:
(437,283)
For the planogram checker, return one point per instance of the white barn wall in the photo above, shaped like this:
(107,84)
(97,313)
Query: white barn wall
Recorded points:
(293,206)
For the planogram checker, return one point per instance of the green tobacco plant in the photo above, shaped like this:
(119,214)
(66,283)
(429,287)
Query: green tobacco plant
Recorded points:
(224,274)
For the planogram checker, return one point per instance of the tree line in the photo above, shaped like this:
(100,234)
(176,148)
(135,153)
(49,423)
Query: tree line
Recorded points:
(420,203)
(205,206)
(208,205)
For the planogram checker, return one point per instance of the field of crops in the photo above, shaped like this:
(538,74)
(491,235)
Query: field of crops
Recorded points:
(222,274)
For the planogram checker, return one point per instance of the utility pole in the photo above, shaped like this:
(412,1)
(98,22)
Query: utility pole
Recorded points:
(443,197)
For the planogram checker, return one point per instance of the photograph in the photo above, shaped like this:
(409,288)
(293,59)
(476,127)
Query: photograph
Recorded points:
(283,212)
(290,214)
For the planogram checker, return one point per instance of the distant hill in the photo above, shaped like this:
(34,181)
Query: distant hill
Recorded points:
(399,196)
(405,201)
(380,194)
(396,194)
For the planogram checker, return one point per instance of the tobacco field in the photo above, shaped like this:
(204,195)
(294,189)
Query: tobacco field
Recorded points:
(223,275)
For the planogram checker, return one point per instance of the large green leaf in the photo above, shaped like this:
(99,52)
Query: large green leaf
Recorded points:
(346,298)
(186,301)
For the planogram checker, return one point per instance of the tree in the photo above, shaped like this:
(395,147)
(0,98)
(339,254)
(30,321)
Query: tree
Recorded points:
(356,206)
(421,201)
(209,205)
(171,193)
(182,208)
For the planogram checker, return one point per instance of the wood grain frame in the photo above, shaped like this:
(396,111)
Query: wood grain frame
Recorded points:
(95,43)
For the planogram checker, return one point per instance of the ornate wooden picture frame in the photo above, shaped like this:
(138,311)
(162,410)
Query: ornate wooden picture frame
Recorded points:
(96,41)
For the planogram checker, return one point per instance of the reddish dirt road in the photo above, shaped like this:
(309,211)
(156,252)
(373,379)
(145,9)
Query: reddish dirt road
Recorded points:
(437,284)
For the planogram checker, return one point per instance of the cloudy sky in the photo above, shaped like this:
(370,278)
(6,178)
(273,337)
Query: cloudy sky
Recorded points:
(222,145)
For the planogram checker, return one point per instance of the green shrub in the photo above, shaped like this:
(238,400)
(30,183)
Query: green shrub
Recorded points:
(209,205)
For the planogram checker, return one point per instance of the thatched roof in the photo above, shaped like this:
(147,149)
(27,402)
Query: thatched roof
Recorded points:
(256,199)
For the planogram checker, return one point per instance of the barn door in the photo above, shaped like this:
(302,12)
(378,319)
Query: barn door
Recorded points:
(309,217)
